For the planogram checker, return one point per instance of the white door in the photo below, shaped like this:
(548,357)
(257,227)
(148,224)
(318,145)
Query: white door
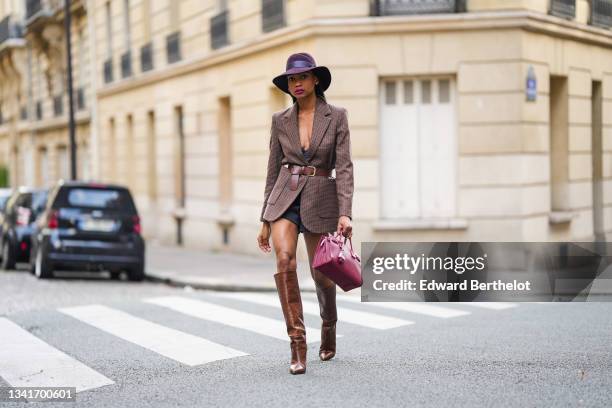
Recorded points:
(418,148)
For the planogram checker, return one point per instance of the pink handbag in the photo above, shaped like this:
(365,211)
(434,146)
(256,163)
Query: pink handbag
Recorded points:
(334,259)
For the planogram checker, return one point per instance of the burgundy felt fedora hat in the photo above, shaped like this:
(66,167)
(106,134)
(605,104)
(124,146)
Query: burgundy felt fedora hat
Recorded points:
(302,62)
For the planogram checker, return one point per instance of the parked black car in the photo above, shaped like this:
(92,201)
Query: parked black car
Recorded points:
(89,226)
(18,222)
(5,194)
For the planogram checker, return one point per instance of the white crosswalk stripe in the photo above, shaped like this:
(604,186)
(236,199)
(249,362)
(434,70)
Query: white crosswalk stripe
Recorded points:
(412,307)
(231,317)
(365,319)
(27,361)
(177,345)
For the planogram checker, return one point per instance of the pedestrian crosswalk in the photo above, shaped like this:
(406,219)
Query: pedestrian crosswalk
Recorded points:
(182,347)
(416,308)
(28,360)
(229,317)
(365,319)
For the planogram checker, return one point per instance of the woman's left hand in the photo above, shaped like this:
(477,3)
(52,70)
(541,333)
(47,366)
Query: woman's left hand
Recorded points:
(344,226)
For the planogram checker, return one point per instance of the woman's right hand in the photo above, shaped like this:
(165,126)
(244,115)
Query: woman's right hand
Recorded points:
(263,239)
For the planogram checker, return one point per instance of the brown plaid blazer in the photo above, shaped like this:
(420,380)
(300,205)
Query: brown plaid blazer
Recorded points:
(324,199)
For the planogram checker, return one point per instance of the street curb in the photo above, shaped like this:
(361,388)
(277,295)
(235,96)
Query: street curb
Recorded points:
(177,282)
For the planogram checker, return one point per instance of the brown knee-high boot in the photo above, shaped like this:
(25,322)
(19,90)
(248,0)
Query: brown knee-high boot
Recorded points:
(291,303)
(327,306)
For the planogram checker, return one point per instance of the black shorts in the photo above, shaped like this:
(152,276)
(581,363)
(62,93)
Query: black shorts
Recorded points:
(293,214)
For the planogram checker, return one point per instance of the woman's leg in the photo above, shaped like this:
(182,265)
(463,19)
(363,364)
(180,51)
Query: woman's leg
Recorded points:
(284,241)
(326,294)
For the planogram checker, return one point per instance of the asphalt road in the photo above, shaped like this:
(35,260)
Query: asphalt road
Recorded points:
(146,344)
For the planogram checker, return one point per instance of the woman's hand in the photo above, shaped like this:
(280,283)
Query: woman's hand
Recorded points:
(263,239)
(344,226)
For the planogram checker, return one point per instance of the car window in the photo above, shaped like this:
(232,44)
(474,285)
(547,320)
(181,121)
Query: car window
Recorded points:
(3,201)
(24,200)
(96,198)
(39,200)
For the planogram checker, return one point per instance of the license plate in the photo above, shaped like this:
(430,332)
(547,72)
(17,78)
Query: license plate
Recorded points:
(98,225)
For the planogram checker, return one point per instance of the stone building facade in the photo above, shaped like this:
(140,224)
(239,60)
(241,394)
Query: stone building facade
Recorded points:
(483,120)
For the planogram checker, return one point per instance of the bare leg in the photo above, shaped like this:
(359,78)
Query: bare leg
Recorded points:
(312,239)
(284,241)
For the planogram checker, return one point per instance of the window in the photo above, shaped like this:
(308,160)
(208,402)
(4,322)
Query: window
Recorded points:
(100,198)
(418,148)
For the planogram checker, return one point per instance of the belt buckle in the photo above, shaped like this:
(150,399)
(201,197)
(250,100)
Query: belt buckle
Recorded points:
(314,171)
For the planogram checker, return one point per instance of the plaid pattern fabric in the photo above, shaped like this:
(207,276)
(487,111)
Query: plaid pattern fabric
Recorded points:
(323,200)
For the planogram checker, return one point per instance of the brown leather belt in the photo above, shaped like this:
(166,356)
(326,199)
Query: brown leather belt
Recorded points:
(310,171)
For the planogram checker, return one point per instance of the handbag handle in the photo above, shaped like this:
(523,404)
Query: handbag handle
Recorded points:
(352,251)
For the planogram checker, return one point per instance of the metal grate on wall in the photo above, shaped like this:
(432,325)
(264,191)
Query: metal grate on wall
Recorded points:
(272,15)
(80,98)
(173,47)
(407,7)
(108,70)
(146,57)
(39,112)
(58,105)
(126,64)
(218,30)
(601,13)
(563,8)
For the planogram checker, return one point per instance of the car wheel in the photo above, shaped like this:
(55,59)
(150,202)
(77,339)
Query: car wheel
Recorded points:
(136,273)
(8,256)
(42,269)
(115,275)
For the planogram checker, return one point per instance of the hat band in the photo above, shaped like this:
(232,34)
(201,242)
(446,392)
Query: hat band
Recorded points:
(300,64)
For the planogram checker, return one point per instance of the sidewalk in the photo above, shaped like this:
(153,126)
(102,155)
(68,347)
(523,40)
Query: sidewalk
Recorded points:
(218,271)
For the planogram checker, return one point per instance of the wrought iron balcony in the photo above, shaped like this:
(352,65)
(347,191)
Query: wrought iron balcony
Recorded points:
(563,8)
(601,13)
(108,70)
(146,57)
(272,15)
(9,30)
(126,64)
(218,30)
(404,7)
(173,47)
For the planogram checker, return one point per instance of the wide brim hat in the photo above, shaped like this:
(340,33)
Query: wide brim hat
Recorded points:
(302,62)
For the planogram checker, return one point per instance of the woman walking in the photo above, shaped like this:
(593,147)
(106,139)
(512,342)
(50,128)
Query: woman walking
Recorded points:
(307,141)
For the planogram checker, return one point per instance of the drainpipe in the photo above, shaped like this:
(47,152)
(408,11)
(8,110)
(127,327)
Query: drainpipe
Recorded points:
(93,145)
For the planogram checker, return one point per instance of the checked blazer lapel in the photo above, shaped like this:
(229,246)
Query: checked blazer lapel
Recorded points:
(322,119)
